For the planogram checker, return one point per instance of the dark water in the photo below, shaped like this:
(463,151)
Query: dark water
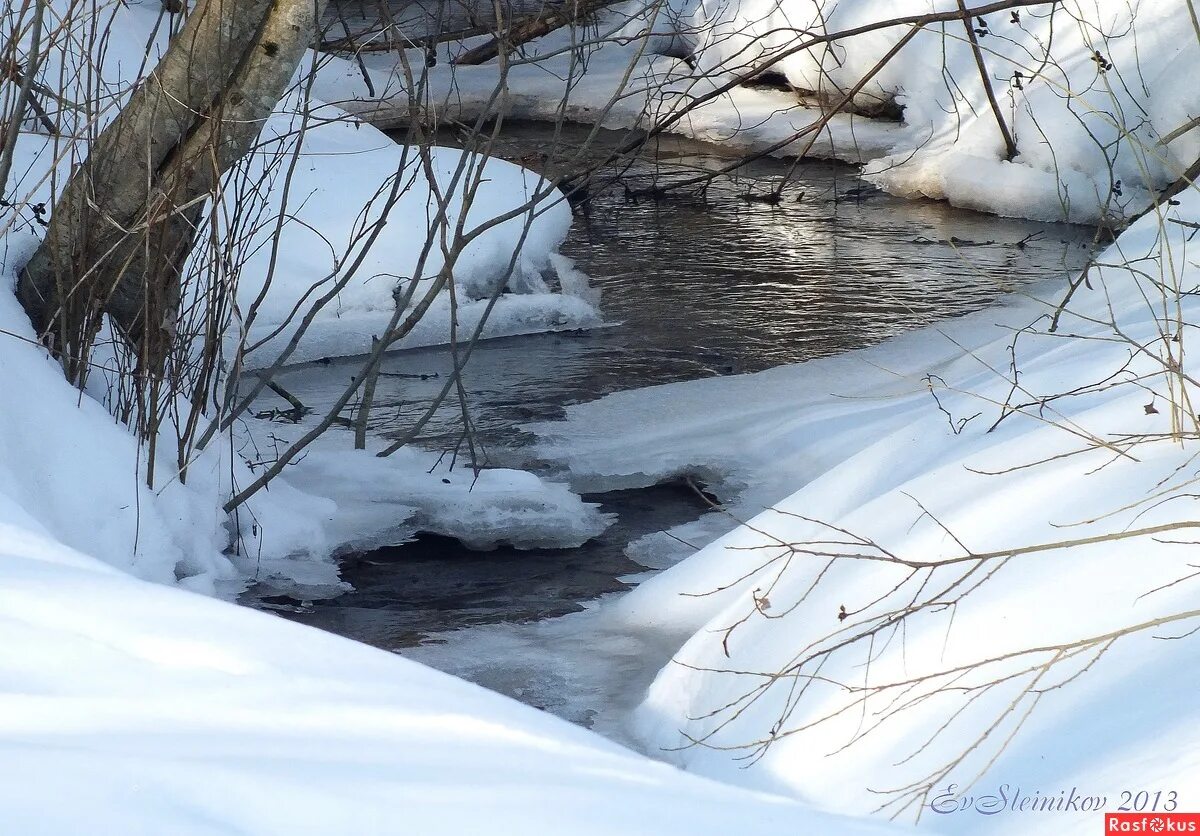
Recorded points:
(694,285)
(432,585)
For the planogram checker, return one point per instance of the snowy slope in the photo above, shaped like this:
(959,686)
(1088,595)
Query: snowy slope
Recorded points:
(853,456)
(134,708)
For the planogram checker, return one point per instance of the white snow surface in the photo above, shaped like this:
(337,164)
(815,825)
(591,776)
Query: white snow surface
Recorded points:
(1089,133)
(327,226)
(134,708)
(853,455)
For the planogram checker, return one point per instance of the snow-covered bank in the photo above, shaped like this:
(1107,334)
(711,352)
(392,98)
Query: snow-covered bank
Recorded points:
(297,222)
(818,640)
(624,85)
(135,708)
(166,712)
(298,213)
(329,218)
(1088,93)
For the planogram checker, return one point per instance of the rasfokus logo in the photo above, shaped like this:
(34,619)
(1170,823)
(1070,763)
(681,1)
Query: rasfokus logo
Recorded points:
(1152,822)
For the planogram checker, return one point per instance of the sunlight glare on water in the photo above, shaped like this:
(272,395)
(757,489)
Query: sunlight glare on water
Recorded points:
(696,285)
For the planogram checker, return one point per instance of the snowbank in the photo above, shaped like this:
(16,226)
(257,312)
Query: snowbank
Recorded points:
(1088,93)
(327,232)
(896,453)
(624,84)
(69,472)
(136,708)
(295,218)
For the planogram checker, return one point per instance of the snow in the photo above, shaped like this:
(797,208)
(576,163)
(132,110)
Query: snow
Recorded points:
(165,712)
(622,82)
(69,472)
(852,455)
(78,476)
(1089,139)
(317,246)
(368,502)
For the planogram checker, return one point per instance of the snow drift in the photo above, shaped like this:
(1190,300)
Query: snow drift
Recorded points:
(939,584)
(137,708)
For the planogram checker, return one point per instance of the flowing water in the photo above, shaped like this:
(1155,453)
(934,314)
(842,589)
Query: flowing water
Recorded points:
(715,284)
(693,285)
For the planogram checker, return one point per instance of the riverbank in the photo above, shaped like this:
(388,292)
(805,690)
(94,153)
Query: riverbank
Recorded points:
(1066,152)
(963,551)
(935,565)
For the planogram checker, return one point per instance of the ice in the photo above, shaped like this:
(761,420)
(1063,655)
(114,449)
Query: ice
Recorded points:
(587,667)
(383,501)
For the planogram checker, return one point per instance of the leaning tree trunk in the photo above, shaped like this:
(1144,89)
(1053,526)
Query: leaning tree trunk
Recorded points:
(125,223)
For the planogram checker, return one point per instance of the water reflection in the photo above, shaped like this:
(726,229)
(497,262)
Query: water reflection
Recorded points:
(708,284)
(695,286)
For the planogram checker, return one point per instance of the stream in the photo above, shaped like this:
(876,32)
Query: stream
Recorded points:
(694,285)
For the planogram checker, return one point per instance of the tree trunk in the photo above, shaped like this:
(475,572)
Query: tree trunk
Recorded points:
(125,223)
